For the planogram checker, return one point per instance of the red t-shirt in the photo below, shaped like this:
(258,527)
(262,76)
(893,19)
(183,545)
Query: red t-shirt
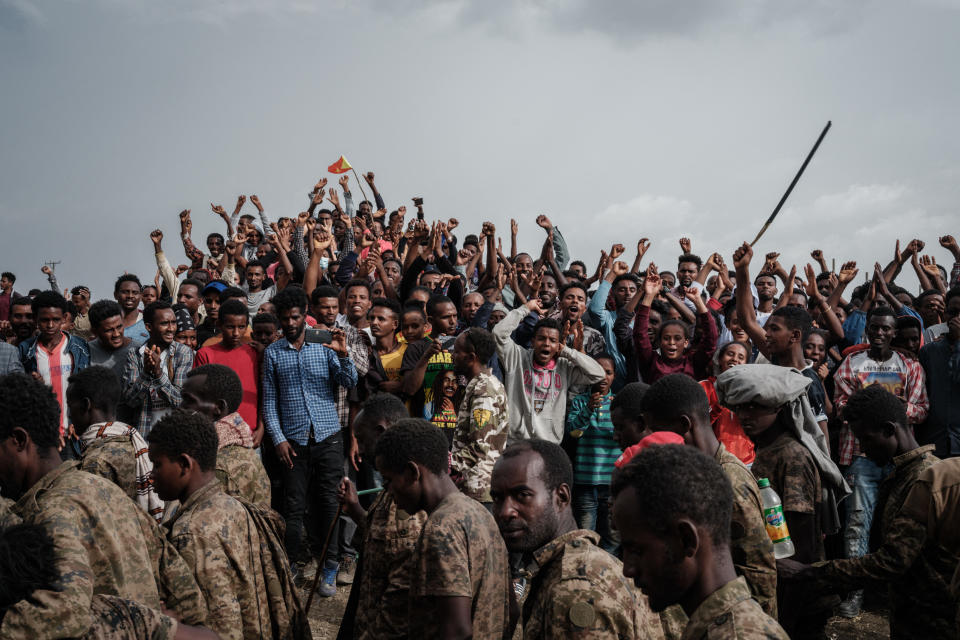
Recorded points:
(245,361)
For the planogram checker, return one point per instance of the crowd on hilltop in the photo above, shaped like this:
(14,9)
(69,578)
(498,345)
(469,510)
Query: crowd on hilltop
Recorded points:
(473,438)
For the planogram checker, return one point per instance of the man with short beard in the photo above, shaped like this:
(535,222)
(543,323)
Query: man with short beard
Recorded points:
(300,382)
(766,286)
(22,322)
(575,588)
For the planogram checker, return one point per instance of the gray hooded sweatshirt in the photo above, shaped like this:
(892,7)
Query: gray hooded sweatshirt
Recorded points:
(538,395)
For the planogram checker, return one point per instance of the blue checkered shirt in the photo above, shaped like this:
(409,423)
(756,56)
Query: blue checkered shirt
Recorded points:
(300,390)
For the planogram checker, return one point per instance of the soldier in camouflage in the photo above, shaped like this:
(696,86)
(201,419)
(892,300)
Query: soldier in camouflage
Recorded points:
(459,580)
(483,419)
(108,447)
(678,403)
(574,588)
(914,568)
(377,608)
(211,530)
(672,505)
(215,391)
(103,543)
(111,617)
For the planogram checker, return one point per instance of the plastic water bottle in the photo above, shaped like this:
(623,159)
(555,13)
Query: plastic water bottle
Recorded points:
(775,522)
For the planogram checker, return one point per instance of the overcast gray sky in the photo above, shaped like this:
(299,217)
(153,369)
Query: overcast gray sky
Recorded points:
(619,119)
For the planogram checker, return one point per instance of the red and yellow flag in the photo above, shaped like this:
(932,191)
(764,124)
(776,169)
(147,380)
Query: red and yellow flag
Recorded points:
(340,166)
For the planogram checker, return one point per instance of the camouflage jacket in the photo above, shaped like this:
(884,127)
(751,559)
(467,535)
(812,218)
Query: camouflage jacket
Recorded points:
(220,542)
(577,590)
(729,613)
(7,516)
(118,619)
(242,475)
(104,544)
(460,553)
(389,539)
(916,570)
(114,459)
(480,436)
(750,545)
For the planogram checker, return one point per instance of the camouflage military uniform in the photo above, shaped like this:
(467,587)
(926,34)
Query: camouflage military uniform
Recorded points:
(114,459)
(750,545)
(915,569)
(480,436)
(577,590)
(104,544)
(459,553)
(389,540)
(118,619)
(794,476)
(242,475)
(220,542)
(7,517)
(729,613)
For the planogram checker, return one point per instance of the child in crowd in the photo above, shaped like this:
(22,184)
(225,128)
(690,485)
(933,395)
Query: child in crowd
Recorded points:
(589,423)
(674,337)
(725,423)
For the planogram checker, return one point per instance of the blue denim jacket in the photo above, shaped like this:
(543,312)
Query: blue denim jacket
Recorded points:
(79,353)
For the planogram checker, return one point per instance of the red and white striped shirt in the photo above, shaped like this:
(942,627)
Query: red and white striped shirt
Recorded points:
(55,366)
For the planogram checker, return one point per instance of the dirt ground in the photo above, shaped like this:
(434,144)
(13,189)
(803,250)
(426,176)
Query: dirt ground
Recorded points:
(325,616)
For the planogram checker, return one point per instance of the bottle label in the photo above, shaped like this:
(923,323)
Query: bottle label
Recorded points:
(776,524)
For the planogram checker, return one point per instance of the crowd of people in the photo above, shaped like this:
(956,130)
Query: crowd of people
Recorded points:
(476,440)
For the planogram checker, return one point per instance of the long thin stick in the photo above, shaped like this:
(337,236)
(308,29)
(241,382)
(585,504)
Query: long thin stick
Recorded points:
(326,543)
(796,179)
(359,184)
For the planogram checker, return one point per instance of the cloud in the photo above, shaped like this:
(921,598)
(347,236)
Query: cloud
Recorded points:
(632,21)
(627,21)
(19,15)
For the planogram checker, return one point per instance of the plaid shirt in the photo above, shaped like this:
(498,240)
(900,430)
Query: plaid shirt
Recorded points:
(900,375)
(358,348)
(156,396)
(299,390)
